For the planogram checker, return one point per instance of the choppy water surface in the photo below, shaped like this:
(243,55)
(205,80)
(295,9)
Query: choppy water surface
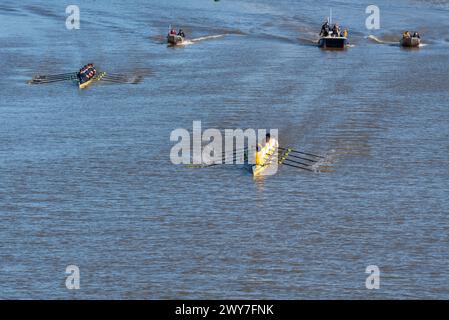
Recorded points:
(85,176)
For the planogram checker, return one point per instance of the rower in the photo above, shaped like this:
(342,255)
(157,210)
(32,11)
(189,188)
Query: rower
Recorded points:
(260,161)
(271,142)
(270,146)
(93,69)
(82,74)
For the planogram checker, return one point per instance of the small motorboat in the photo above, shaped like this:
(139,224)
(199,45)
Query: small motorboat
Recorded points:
(410,42)
(331,42)
(332,38)
(174,39)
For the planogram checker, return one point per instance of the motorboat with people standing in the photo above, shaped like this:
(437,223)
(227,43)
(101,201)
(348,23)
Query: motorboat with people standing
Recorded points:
(175,37)
(410,41)
(333,38)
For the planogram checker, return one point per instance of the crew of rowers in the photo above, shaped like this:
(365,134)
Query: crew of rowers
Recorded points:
(264,153)
(407,35)
(326,31)
(87,72)
(174,33)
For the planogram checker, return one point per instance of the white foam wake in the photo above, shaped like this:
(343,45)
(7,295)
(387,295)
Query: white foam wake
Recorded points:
(376,39)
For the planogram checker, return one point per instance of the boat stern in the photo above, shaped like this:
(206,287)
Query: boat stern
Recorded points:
(333,42)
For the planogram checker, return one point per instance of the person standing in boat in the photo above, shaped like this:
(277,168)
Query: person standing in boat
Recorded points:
(336,30)
(181,33)
(325,29)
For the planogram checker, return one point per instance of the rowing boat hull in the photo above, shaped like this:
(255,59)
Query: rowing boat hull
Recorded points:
(84,85)
(259,170)
(410,42)
(333,43)
(98,77)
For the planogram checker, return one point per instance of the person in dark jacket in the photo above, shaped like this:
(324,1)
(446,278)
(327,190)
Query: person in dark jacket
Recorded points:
(325,29)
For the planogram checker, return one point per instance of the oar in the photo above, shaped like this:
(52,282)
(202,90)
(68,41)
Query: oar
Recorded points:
(114,80)
(297,162)
(235,151)
(46,81)
(116,75)
(63,78)
(223,161)
(304,153)
(55,75)
(290,165)
(224,158)
(296,157)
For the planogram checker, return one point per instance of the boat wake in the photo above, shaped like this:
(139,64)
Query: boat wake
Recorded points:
(379,41)
(200,39)
(308,42)
(326,164)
